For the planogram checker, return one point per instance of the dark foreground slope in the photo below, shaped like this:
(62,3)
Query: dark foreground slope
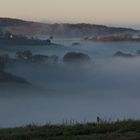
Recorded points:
(121,130)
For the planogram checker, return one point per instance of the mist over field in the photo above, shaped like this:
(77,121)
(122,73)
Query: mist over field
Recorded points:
(106,86)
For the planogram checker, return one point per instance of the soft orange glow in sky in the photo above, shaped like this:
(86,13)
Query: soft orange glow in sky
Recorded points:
(115,12)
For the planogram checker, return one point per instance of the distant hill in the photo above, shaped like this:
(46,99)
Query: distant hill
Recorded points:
(21,27)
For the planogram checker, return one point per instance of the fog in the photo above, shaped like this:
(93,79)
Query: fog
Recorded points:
(106,86)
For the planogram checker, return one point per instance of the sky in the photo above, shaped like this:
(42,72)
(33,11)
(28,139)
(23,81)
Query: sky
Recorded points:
(108,12)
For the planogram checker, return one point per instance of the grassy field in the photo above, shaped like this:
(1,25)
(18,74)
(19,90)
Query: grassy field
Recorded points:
(102,130)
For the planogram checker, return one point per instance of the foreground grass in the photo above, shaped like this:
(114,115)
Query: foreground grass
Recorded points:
(120,130)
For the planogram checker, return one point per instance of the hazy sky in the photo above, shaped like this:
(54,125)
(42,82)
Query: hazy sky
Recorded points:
(112,12)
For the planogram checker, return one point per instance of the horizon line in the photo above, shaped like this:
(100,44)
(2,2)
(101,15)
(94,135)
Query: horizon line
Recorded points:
(55,22)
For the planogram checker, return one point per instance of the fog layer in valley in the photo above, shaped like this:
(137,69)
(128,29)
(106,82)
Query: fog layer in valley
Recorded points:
(106,86)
